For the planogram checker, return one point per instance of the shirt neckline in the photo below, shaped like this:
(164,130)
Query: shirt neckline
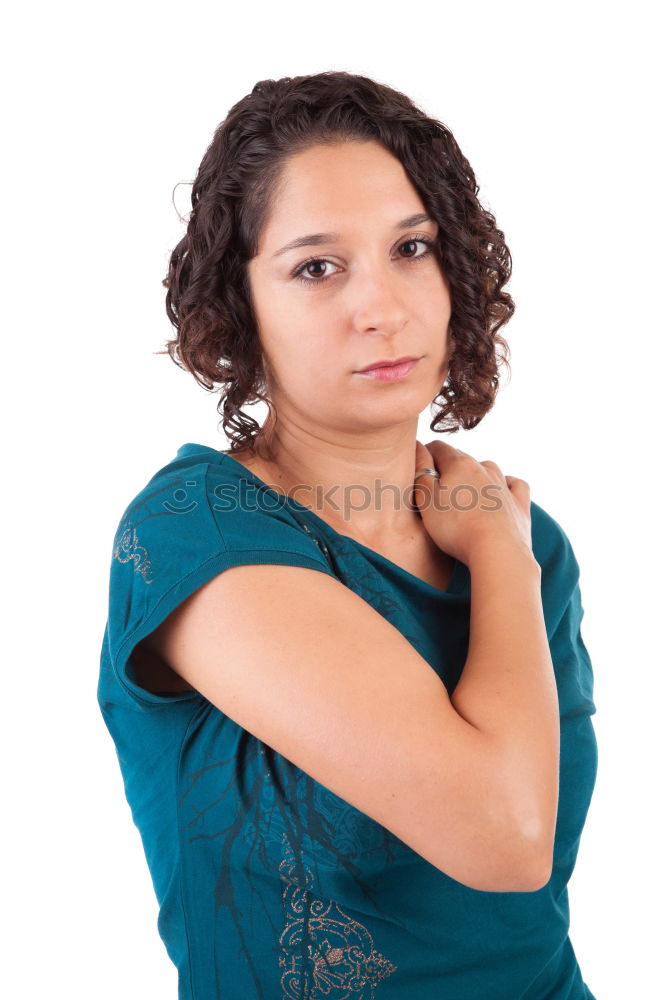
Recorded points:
(456,583)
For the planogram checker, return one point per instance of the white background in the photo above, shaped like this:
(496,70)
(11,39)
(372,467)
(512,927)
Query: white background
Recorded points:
(557,107)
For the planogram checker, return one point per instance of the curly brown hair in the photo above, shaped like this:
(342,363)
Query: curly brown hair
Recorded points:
(208,297)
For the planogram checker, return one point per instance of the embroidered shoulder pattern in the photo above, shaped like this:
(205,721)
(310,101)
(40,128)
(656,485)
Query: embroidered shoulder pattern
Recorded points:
(128,549)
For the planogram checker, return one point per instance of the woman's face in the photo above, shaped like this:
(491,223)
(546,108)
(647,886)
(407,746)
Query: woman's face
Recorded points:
(373,293)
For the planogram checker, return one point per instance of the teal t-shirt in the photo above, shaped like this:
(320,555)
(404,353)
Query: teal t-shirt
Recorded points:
(270,886)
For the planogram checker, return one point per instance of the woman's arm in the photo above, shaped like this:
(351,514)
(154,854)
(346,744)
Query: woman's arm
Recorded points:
(507,689)
(310,668)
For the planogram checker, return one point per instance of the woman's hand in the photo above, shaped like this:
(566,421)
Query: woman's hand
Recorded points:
(487,506)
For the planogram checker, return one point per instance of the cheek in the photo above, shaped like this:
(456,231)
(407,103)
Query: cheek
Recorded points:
(437,287)
(306,364)
(442,296)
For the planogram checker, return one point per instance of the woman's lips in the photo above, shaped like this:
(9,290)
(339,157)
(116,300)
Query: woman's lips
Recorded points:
(390,373)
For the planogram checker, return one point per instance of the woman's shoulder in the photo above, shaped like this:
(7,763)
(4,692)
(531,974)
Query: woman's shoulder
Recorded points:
(549,538)
(198,476)
(168,517)
(203,502)
(554,552)
(194,518)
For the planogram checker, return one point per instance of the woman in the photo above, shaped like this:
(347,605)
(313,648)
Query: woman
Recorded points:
(344,672)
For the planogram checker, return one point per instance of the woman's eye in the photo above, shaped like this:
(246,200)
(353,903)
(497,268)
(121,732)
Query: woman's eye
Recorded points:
(314,263)
(413,242)
(302,272)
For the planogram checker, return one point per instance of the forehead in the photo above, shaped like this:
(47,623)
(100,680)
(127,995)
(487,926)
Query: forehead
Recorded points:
(341,187)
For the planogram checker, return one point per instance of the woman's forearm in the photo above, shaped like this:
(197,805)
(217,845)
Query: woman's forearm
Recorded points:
(507,689)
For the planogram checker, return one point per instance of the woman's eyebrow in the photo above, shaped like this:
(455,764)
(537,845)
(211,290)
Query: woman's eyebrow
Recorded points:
(316,239)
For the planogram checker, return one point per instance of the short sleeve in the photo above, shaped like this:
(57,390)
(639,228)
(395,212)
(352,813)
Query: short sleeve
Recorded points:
(572,662)
(563,613)
(190,523)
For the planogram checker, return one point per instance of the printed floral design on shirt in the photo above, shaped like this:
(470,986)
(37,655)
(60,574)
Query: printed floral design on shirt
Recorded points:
(175,500)
(341,959)
(128,549)
(274,828)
